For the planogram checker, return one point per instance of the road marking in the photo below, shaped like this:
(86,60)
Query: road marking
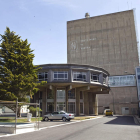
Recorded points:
(27,131)
(69,123)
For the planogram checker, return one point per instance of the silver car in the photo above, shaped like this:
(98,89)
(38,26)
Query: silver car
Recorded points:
(59,115)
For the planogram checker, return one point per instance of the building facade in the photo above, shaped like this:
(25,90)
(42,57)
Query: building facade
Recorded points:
(71,87)
(110,42)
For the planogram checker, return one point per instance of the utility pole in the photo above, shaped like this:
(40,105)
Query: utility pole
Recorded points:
(113,102)
(16,115)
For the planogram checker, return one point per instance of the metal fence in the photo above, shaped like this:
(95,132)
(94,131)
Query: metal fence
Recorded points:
(15,105)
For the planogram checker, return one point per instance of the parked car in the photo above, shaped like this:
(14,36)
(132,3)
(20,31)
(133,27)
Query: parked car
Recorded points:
(58,115)
(108,112)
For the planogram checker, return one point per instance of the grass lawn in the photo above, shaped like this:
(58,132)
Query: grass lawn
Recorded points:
(19,120)
(83,118)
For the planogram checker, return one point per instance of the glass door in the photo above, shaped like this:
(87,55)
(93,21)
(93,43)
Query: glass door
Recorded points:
(61,100)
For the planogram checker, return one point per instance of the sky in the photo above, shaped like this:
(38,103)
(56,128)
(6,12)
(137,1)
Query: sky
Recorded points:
(44,22)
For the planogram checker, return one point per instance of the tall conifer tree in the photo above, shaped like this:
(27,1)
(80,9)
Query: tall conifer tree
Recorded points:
(18,75)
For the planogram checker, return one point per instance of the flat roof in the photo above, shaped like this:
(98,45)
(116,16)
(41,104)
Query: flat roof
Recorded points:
(101,15)
(73,64)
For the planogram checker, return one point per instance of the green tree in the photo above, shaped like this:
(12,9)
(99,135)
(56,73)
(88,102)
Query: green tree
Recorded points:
(34,110)
(18,75)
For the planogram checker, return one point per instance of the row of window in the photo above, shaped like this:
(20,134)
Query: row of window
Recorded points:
(63,75)
(61,94)
(126,80)
(61,106)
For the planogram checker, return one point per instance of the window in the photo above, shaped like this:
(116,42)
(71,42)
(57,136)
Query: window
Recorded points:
(60,94)
(71,107)
(94,77)
(60,75)
(43,76)
(81,95)
(104,80)
(71,94)
(40,94)
(79,76)
(81,108)
(60,106)
(138,70)
(61,112)
(50,107)
(50,94)
(126,80)
(41,105)
(55,113)
(46,76)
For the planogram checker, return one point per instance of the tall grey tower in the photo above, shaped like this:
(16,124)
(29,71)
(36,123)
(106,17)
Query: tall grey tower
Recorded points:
(108,41)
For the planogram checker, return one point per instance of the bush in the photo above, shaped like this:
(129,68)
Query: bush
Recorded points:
(33,110)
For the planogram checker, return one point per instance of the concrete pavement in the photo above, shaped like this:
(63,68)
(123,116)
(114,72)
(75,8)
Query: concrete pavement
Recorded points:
(29,127)
(137,119)
(106,128)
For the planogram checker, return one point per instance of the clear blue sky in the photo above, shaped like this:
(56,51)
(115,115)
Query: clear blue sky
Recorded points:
(43,22)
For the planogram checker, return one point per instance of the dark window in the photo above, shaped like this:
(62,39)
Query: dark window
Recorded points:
(71,107)
(41,105)
(66,76)
(62,112)
(71,94)
(43,76)
(94,77)
(55,75)
(79,76)
(81,95)
(46,76)
(50,94)
(50,107)
(81,108)
(55,113)
(40,94)
(126,108)
(60,75)
(138,70)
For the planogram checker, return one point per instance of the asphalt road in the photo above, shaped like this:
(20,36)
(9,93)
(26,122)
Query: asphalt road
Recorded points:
(106,128)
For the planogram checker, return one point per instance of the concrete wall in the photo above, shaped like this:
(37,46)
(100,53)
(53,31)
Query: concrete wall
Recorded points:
(107,41)
(122,95)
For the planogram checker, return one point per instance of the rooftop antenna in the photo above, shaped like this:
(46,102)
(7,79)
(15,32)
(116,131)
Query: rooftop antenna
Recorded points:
(118,8)
(87,15)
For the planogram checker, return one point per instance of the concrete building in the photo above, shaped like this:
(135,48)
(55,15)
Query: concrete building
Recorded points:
(108,41)
(71,87)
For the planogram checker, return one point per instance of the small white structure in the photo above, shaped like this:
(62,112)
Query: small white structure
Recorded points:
(24,109)
(29,116)
(0,110)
